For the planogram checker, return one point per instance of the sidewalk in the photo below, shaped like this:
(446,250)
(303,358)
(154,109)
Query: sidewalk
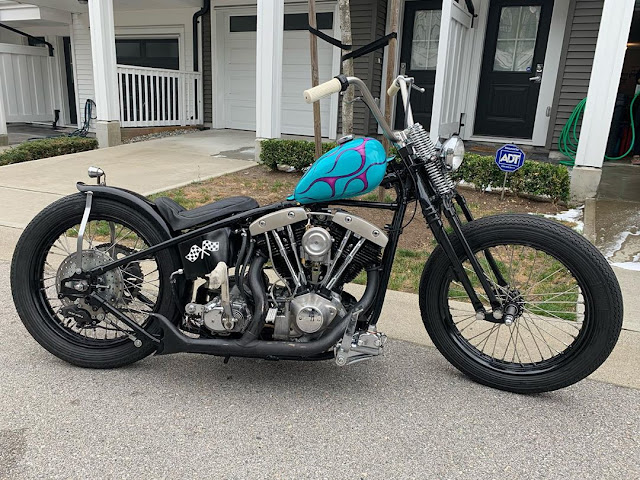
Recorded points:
(145,167)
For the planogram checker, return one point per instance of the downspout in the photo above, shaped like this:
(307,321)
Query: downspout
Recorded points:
(204,10)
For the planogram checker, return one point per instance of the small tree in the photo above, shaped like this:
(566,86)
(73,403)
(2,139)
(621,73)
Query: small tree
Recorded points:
(347,67)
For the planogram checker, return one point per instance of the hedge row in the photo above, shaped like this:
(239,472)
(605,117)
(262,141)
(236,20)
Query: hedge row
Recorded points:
(534,178)
(45,148)
(296,153)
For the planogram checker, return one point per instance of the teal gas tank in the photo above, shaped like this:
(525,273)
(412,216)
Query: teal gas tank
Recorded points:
(351,169)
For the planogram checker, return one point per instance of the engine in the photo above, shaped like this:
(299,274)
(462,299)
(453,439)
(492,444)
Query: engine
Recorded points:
(313,254)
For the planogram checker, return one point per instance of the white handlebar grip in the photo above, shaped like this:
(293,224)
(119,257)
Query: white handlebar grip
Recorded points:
(394,88)
(323,90)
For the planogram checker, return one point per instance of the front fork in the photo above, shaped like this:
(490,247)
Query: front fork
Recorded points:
(433,218)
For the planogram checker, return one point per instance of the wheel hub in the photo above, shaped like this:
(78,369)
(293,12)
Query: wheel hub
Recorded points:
(512,307)
(110,286)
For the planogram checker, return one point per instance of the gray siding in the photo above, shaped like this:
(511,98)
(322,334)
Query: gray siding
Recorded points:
(368,22)
(575,64)
(206,68)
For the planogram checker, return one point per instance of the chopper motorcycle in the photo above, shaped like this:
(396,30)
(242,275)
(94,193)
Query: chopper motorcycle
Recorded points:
(105,277)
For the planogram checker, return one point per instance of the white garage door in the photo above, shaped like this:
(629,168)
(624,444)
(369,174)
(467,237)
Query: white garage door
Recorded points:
(240,73)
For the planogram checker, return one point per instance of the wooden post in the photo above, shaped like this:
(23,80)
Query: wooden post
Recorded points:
(391,63)
(315,80)
(394,11)
(347,68)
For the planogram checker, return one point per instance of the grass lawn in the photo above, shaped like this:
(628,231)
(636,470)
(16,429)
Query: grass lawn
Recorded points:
(416,243)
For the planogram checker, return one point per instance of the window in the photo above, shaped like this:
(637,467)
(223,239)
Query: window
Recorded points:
(152,52)
(300,21)
(128,49)
(34,43)
(244,23)
(292,21)
(517,34)
(426,37)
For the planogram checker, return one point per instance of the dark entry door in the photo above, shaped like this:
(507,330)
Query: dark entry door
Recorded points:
(512,67)
(419,57)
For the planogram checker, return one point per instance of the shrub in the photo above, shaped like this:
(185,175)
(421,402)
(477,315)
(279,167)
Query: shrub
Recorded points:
(296,153)
(534,178)
(45,148)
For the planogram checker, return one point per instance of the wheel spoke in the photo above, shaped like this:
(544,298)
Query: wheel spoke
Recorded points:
(136,286)
(539,332)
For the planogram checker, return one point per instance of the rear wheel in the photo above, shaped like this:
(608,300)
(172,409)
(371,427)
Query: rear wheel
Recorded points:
(72,329)
(566,297)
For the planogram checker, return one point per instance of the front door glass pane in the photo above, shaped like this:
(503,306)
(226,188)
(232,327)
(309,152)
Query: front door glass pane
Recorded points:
(517,35)
(426,36)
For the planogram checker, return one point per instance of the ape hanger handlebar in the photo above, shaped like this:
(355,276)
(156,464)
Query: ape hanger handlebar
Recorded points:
(340,83)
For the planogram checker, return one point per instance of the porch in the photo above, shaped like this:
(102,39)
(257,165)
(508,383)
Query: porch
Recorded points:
(138,63)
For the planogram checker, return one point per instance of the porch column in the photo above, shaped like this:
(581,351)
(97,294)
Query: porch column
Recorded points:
(105,77)
(4,135)
(269,68)
(601,97)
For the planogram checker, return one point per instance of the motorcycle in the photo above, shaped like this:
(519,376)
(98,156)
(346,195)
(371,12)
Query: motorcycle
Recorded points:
(106,277)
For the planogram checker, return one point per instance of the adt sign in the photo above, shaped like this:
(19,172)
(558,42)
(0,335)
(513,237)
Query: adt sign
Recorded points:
(509,158)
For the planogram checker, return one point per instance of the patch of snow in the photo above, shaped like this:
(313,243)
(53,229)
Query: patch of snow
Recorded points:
(617,245)
(628,265)
(573,215)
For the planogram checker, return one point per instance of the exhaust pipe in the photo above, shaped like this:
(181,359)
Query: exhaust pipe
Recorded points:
(174,341)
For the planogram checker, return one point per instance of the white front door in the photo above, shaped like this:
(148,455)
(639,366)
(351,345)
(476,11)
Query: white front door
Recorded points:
(239,71)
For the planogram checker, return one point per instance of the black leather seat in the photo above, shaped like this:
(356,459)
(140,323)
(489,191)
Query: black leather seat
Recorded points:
(179,218)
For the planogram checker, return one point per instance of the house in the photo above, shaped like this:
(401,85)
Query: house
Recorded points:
(493,70)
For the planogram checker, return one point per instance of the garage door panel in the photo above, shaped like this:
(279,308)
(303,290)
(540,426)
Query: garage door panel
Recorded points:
(240,81)
(242,86)
(242,117)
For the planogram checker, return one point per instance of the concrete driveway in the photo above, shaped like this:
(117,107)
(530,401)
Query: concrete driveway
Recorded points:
(145,167)
(406,415)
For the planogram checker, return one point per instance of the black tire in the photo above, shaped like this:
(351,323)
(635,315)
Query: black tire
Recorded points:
(602,317)
(38,316)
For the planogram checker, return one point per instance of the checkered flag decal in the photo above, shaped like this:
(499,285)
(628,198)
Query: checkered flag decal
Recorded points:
(197,252)
(210,246)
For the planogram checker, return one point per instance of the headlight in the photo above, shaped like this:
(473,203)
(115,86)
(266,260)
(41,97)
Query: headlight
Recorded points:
(453,153)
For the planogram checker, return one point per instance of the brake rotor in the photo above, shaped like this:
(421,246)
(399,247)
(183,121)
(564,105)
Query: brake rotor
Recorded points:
(111,283)
(132,274)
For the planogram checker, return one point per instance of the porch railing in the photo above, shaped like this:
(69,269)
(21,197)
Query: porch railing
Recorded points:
(155,97)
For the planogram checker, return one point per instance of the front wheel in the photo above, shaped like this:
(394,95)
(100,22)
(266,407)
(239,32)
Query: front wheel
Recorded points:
(568,301)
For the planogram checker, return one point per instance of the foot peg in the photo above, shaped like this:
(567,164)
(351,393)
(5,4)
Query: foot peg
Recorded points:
(363,346)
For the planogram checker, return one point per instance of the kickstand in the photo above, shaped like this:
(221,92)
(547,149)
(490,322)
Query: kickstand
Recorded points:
(226,359)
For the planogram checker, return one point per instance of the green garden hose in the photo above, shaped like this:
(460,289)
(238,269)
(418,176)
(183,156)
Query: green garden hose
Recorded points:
(568,141)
